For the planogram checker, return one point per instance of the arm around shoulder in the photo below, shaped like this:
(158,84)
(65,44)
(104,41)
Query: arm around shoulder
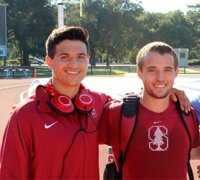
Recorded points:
(109,122)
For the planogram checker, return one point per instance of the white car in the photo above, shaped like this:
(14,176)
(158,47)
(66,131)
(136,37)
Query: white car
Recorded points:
(36,61)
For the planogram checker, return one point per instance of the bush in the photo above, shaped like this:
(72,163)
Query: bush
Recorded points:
(13,62)
(194,62)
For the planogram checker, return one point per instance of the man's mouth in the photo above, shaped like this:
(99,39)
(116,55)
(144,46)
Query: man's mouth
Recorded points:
(72,72)
(159,85)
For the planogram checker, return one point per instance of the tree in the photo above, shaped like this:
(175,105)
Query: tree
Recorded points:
(117,28)
(110,25)
(29,23)
(193,17)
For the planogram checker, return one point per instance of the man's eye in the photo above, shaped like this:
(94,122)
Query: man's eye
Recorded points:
(168,70)
(64,58)
(81,56)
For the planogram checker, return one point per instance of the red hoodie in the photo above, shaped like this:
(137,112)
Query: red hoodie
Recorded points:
(38,143)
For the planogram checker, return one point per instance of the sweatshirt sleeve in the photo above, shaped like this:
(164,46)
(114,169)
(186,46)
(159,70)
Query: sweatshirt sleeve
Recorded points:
(109,123)
(14,155)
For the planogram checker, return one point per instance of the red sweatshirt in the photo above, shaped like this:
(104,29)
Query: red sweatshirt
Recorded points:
(41,144)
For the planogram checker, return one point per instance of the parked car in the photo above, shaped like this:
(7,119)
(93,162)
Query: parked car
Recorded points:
(126,61)
(36,61)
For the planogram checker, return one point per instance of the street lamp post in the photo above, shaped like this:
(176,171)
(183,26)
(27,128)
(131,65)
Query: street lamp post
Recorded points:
(60,14)
(3,32)
(60,4)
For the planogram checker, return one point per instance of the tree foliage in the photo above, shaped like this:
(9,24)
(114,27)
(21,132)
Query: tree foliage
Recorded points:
(118,28)
(29,23)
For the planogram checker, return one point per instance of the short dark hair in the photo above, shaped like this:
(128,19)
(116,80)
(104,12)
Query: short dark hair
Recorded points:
(66,33)
(159,47)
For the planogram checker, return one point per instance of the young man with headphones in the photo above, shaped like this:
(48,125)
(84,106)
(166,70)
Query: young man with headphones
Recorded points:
(54,134)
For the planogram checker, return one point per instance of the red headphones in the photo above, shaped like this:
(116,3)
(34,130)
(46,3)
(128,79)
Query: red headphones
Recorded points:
(64,105)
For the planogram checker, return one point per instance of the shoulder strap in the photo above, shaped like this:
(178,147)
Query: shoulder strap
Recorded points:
(127,125)
(190,172)
(129,105)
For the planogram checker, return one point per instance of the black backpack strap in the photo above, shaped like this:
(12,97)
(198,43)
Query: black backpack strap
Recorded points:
(190,172)
(124,129)
(128,119)
(130,105)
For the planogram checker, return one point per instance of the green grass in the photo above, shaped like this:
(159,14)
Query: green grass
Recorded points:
(114,70)
(105,72)
(188,71)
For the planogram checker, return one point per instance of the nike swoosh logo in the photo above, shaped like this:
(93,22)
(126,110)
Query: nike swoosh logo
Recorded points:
(157,122)
(47,126)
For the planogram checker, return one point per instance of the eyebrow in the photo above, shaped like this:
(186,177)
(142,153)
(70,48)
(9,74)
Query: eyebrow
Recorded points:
(80,53)
(154,67)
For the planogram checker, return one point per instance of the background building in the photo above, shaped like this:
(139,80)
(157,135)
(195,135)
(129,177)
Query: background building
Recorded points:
(182,54)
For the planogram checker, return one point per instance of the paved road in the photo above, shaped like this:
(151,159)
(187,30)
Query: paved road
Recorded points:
(10,90)
(110,85)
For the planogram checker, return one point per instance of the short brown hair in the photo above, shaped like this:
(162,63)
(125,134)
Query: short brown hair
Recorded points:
(64,33)
(159,47)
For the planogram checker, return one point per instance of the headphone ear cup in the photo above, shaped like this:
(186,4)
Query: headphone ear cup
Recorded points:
(61,104)
(84,102)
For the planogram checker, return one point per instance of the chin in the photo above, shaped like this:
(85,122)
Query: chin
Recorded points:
(75,83)
(161,96)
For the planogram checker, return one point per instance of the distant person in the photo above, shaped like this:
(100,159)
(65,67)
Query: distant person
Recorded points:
(196,104)
(54,134)
(159,146)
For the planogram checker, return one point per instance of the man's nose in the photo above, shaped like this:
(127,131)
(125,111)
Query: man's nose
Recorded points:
(73,62)
(160,76)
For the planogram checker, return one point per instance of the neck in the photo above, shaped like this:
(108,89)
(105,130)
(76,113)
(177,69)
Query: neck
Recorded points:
(157,105)
(70,91)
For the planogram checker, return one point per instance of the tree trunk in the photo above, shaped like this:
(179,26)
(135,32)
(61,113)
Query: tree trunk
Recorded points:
(92,57)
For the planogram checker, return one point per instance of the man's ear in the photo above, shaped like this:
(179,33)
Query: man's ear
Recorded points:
(139,72)
(48,60)
(177,71)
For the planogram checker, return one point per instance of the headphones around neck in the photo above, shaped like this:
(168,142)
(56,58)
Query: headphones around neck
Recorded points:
(62,104)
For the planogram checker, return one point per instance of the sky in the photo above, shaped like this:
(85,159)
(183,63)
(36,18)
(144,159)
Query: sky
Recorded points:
(165,6)
(162,6)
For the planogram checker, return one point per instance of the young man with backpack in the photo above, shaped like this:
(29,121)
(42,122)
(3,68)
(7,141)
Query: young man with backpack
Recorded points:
(156,143)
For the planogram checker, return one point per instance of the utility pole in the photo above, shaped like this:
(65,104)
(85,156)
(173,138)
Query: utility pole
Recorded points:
(60,13)
(60,4)
(3,33)
(81,8)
